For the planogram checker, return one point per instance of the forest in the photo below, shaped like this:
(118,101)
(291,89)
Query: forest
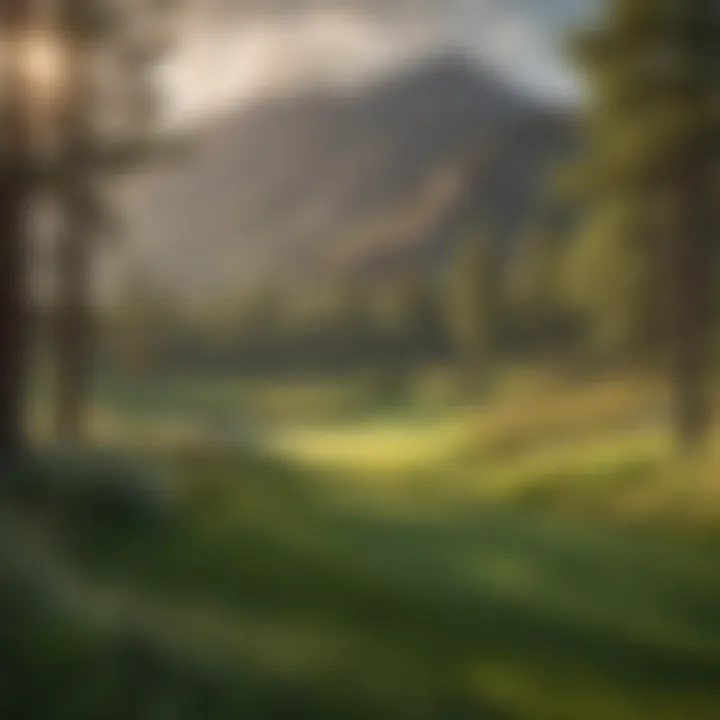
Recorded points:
(377,391)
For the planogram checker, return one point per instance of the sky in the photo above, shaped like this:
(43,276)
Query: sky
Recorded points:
(234,51)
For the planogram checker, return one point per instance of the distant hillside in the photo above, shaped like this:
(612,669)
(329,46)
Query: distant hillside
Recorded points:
(310,187)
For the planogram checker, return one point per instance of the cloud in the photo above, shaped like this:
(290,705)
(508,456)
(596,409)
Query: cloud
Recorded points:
(253,49)
(216,66)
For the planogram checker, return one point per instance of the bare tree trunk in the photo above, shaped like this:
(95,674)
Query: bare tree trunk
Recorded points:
(73,326)
(12,309)
(73,322)
(14,197)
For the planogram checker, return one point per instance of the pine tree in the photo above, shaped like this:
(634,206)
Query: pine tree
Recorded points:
(534,293)
(653,145)
(95,30)
(472,303)
(15,194)
(607,283)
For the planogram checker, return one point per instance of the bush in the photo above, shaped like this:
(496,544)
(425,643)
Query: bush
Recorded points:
(100,488)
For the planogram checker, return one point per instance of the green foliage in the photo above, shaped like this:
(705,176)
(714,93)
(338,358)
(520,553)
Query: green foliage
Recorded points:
(608,282)
(652,146)
(278,594)
(473,299)
(543,318)
(391,326)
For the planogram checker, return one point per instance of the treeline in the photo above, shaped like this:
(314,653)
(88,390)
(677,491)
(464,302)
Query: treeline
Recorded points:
(547,299)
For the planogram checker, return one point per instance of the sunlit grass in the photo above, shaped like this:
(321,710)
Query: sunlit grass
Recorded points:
(380,448)
(604,448)
(268,583)
(508,557)
(540,551)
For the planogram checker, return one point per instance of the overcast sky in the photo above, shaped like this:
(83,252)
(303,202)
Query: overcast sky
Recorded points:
(236,50)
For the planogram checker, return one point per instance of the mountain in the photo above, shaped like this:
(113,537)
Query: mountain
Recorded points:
(309,188)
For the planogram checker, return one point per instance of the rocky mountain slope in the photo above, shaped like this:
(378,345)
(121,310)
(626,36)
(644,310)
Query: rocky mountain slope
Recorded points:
(307,188)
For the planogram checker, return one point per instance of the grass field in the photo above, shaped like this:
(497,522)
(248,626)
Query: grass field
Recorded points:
(545,555)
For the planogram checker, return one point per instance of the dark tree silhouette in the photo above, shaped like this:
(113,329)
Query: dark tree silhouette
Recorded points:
(97,29)
(15,175)
(472,300)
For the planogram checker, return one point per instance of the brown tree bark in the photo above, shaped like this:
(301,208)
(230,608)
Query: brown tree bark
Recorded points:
(13,315)
(15,161)
(73,326)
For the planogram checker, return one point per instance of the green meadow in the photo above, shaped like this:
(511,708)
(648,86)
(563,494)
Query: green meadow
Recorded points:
(542,553)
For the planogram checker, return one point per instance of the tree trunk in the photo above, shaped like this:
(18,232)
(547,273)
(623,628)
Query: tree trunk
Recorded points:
(693,270)
(15,158)
(73,323)
(73,328)
(13,318)
(691,403)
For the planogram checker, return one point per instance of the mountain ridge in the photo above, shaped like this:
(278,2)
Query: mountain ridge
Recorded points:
(317,186)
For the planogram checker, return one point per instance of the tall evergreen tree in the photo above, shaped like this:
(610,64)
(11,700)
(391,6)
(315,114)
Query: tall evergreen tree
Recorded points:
(472,303)
(607,281)
(538,310)
(97,31)
(653,144)
(16,17)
